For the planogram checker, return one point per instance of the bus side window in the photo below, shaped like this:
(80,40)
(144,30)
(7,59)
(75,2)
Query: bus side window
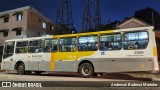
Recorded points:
(110,42)
(22,47)
(88,43)
(50,45)
(68,44)
(55,45)
(135,40)
(35,46)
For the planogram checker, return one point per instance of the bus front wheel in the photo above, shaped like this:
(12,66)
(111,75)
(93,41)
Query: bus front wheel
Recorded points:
(21,69)
(86,70)
(38,72)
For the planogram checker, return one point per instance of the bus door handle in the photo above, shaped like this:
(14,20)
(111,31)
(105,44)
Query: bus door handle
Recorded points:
(11,59)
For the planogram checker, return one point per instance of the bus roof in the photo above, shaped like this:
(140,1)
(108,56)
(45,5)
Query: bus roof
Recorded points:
(87,33)
(33,38)
(105,31)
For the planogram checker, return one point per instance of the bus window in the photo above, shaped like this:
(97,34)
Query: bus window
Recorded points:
(68,44)
(110,42)
(22,47)
(35,46)
(135,40)
(50,45)
(88,43)
(9,48)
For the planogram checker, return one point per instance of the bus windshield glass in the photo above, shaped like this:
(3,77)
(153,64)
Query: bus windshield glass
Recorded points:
(9,48)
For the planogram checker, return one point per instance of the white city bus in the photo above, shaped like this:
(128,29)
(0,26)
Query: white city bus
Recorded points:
(122,50)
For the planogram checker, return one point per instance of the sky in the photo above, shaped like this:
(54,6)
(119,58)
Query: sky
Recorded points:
(109,9)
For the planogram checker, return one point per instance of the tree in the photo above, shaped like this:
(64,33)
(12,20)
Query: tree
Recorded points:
(150,16)
(110,26)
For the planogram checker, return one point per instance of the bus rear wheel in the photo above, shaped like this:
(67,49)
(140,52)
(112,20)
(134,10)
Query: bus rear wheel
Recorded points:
(21,69)
(86,70)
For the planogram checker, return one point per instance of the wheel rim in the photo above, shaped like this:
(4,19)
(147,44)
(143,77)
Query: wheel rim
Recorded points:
(85,70)
(20,69)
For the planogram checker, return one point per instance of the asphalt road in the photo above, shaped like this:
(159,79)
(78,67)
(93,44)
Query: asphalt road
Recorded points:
(66,77)
(50,76)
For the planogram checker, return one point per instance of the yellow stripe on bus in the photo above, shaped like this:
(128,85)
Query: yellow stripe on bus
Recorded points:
(52,63)
(154,51)
(68,56)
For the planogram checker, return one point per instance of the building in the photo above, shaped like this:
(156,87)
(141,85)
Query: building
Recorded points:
(23,22)
(150,16)
(132,23)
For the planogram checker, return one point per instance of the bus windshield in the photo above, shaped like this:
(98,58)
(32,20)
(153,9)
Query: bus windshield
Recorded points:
(9,48)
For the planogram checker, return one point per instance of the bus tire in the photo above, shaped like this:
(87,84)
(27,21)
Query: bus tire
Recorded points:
(38,72)
(86,70)
(28,72)
(21,69)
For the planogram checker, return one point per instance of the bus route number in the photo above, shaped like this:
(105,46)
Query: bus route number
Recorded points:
(138,52)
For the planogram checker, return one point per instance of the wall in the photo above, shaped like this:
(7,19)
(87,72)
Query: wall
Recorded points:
(13,23)
(35,25)
(132,24)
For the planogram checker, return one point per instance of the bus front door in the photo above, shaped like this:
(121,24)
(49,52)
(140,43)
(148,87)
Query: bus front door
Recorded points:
(8,56)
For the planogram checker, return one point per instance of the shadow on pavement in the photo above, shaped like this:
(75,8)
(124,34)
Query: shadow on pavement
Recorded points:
(121,76)
(116,76)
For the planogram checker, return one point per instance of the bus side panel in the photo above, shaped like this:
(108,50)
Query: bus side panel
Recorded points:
(67,61)
(73,65)
(38,61)
(121,64)
(127,64)
(21,58)
(66,66)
